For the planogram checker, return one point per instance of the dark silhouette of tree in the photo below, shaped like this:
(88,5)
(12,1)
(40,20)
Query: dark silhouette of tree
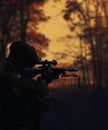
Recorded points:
(73,7)
(15,16)
(93,35)
(38,40)
(7,13)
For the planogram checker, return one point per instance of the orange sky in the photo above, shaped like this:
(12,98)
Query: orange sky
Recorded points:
(56,28)
(62,46)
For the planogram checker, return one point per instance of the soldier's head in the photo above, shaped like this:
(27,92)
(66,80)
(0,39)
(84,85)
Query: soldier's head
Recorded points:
(22,54)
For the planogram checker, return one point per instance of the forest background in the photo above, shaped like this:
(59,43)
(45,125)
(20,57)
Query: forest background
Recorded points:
(84,34)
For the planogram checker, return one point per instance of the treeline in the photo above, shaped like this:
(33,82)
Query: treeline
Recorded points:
(91,27)
(19,21)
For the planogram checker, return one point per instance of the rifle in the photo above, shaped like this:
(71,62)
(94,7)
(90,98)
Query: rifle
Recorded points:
(48,70)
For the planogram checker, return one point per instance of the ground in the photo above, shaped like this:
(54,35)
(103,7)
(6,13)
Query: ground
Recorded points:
(72,110)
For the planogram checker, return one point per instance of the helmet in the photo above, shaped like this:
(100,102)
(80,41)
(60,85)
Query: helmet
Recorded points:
(23,54)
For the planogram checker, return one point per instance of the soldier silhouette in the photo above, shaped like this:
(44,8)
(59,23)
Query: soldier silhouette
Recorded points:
(22,99)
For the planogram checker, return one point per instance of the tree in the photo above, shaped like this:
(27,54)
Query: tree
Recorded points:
(7,13)
(88,13)
(38,40)
(15,16)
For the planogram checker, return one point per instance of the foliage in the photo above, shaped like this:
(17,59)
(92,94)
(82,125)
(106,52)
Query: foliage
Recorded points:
(87,17)
(17,21)
(33,36)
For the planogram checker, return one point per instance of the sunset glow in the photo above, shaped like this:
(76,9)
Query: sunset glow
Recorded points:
(61,47)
